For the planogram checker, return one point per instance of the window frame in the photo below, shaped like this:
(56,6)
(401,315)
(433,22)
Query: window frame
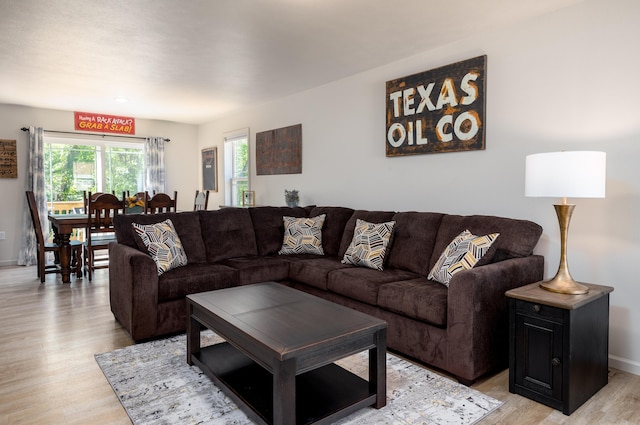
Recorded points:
(102,143)
(230,179)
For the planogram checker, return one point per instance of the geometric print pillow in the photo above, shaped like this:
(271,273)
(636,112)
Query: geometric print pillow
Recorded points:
(163,244)
(369,244)
(464,251)
(302,235)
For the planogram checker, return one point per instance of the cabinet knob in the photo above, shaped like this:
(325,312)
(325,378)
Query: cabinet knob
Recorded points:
(555,362)
(536,308)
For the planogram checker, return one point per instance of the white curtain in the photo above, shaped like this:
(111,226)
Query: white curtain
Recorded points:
(35,182)
(154,164)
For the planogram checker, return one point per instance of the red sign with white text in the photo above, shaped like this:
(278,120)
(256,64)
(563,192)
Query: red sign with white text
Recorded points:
(87,121)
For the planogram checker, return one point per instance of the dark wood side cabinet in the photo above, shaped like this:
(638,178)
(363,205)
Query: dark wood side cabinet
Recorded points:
(559,345)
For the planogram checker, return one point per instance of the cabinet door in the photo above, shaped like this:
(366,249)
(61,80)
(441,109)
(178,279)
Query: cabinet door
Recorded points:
(539,355)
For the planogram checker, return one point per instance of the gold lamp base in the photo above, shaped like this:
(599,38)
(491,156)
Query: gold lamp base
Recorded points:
(563,283)
(564,287)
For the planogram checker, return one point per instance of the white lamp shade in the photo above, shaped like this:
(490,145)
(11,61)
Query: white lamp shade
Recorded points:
(578,174)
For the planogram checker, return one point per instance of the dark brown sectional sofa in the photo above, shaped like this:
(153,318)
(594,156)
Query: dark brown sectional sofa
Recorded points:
(462,329)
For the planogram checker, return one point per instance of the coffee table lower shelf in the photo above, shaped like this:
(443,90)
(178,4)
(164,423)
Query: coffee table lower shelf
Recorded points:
(322,395)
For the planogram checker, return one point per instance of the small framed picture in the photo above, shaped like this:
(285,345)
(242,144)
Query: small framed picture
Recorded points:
(248,198)
(210,169)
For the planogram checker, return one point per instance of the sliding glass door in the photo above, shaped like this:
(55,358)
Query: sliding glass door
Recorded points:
(74,166)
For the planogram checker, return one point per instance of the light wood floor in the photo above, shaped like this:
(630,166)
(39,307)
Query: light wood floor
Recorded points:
(49,334)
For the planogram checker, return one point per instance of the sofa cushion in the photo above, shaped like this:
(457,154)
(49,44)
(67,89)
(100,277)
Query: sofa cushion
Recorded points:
(315,271)
(418,299)
(414,236)
(369,244)
(227,233)
(268,226)
(256,269)
(370,216)
(517,238)
(362,284)
(302,235)
(178,283)
(163,245)
(464,251)
(334,224)
(187,225)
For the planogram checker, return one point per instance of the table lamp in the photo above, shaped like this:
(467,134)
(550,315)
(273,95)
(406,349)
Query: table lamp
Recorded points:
(578,174)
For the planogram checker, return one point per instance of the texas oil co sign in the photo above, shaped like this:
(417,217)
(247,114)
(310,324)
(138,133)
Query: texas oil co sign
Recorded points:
(441,110)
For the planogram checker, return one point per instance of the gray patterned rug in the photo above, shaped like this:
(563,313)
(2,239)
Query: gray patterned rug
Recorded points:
(155,385)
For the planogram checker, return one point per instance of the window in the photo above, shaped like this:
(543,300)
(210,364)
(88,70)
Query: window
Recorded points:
(236,166)
(73,166)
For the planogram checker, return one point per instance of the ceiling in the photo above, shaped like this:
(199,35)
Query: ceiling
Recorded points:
(192,61)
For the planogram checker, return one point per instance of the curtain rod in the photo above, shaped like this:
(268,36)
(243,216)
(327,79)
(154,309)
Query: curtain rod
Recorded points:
(93,134)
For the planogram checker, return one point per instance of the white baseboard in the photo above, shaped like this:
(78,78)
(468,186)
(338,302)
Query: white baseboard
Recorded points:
(9,263)
(624,364)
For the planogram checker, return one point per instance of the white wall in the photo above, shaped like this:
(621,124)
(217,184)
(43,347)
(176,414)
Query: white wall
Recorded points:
(564,81)
(180,156)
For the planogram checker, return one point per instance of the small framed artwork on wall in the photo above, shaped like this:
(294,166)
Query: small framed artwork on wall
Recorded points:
(248,198)
(8,159)
(210,169)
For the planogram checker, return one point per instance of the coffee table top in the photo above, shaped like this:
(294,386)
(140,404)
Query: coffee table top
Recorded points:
(285,320)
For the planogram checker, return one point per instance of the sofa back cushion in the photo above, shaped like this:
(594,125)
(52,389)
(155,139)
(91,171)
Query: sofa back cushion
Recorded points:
(335,220)
(370,216)
(414,237)
(187,225)
(517,238)
(227,233)
(268,226)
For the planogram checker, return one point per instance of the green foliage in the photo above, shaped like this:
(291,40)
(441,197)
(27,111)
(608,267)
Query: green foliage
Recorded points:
(59,171)
(241,158)
(71,169)
(125,170)
(240,170)
(240,186)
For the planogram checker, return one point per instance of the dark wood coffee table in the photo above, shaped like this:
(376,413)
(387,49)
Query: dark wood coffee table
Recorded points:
(277,361)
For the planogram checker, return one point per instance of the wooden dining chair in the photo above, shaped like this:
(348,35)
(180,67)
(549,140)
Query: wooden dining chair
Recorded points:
(201,200)
(93,195)
(100,232)
(86,195)
(44,246)
(161,202)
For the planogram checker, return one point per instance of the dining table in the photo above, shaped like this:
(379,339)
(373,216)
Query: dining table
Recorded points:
(63,225)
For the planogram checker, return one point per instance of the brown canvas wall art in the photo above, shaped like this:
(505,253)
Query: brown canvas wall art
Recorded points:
(279,151)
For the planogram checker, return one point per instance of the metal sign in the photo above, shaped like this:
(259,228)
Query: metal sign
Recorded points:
(87,121)
(441,110)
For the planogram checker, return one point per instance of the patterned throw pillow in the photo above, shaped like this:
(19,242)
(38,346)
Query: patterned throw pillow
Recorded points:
(302,235)
(163,244)
(464,251)
(369,244)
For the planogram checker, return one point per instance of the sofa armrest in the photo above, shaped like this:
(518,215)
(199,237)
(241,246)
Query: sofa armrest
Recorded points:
(133,290)
(478,314)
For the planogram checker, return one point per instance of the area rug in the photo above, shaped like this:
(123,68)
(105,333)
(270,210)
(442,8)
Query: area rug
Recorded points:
(155,385)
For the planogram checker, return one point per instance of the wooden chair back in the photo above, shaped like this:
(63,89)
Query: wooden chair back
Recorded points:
(201,201)
(35,218)
(92,196)
(161,202)
(100,232)
(101,210)
(85,199)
